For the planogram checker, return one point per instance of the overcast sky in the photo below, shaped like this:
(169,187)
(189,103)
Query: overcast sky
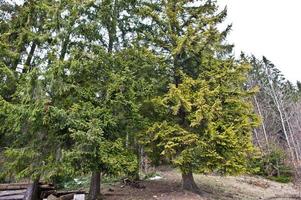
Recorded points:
(268,27)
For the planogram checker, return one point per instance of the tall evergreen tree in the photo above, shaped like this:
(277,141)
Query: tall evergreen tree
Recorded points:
(204,81)
(52,34)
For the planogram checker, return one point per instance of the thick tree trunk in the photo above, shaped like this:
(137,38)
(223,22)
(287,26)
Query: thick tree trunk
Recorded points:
(189,184)
(94,192)
(32,192)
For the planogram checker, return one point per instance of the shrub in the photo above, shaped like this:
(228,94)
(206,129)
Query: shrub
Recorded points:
(273,165)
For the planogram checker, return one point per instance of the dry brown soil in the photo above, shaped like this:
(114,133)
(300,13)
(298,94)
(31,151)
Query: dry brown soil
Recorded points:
(213,187)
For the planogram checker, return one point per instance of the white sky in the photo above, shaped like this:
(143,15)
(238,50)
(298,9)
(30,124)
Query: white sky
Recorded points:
(268,27)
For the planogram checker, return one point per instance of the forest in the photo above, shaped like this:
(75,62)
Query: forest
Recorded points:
(107,88)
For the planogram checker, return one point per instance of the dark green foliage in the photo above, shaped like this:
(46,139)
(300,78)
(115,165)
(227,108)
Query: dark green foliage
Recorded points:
(30,136)
(274,165)
(68,110)
(74,120)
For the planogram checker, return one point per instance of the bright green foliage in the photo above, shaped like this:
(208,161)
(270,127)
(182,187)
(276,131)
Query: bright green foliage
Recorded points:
(216,131)
(204,117)
(184,32)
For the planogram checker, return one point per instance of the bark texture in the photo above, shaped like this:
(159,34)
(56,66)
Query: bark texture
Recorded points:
(94,192)
(32,192)
(189,184)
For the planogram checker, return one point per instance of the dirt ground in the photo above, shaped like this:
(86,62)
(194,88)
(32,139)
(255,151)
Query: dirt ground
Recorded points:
(214,187)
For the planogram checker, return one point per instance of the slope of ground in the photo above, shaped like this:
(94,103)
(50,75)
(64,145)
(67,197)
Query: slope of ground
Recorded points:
(214,187)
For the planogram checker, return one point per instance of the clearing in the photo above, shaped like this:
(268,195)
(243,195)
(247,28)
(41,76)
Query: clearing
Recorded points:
(215,187)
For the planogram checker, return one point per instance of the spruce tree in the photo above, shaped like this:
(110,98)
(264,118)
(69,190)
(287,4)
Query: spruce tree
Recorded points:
(76,98)
(207,117)
(70,118)
(65,70)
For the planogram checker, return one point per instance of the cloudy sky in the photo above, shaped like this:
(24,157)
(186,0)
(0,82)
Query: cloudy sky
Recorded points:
(268,27)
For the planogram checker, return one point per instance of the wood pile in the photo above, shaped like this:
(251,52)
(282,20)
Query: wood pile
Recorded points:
(16,191)
(66,195)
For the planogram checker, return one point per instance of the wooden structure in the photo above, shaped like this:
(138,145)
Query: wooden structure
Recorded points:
(37,191)
(19,191)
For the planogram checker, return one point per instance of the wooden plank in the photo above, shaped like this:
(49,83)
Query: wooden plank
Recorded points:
(11,192)
(45,183)
(14,186)
(61,193)
(13,197)
(46,187)
(19,186)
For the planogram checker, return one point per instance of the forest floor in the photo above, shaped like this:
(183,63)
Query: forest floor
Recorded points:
(168,187)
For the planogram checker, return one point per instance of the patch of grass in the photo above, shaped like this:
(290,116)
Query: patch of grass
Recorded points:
(281,179)
(110,179)
(83,182)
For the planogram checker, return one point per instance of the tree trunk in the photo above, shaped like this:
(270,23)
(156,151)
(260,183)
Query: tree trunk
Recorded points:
(290,129)
(189,184)
(94,192)
(32,192)
(276,101)
(27,65)
(64,47)
(263,123)
(257,140)
(136,175)
(113,26)
(142,163)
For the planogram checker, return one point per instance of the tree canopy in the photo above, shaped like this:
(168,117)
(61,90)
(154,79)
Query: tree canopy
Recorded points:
(89,86)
